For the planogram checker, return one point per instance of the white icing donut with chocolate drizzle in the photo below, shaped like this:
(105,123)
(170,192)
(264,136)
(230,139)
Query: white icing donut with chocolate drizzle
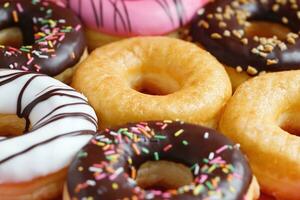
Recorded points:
(60,119)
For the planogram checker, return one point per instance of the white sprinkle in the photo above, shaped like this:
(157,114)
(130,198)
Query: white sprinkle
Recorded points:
(95,169)
(197,169)
(211,155)
(91,182)
(206,135)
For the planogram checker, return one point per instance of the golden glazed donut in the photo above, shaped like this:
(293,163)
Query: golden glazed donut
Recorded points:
(186,82)
(263,116)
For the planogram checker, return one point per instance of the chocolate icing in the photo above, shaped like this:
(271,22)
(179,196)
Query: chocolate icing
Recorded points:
(102,168)
(239,50)
(53,39)
(44,96)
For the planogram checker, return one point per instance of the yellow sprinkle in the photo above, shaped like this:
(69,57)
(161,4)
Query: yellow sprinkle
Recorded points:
(198,190)
(129,160)
(115,186)
(178,132)
(6,5)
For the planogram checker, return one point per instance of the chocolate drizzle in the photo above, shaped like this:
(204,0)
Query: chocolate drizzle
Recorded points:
(221,30)
(52,36)
(122,18)
(103,169)
(9,76)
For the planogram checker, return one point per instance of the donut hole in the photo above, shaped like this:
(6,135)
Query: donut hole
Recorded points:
(155,84)
(11,125)
(163,175)
(11,37)
(289,122)
(266,29)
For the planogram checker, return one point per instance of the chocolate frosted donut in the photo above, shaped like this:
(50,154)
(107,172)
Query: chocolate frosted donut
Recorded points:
(53,40)
(221,30)
(105,168)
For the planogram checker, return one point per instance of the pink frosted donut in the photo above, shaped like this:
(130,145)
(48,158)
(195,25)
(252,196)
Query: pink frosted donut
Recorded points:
(135,17)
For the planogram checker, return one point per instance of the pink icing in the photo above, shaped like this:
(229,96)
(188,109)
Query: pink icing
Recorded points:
(135,17)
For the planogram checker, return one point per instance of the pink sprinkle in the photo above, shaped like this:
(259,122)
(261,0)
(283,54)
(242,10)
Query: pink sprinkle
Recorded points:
(78,27)
(167,148)
(109,152)
(217,160)
(61,38)
(164,126)
(24,68)
(100,176)
(221,149)
(20,8)
(166,195)
(203,178)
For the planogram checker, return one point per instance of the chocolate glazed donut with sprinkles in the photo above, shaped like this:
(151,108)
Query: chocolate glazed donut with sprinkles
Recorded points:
(53,40)
(114,164)
(222,25)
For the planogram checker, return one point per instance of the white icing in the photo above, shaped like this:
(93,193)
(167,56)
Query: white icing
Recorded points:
(50,157)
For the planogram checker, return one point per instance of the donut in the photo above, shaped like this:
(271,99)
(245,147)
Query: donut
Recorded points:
(263,116)
(59,122)
(108,21)
(53,38)
(225,28)
(118,161)
(143,78)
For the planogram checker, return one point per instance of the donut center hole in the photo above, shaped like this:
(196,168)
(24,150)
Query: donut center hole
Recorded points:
(163,175)
(11,37)
(11,125)
(266,29)
(290,122)
(154,84)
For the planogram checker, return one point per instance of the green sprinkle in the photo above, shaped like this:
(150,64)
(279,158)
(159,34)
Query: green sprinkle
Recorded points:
(160,137)
(156,156)
(184,142)
(82,154)
(145,150)
(205,160)
(209,185)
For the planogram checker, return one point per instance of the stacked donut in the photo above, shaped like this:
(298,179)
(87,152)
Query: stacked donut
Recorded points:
(159,75)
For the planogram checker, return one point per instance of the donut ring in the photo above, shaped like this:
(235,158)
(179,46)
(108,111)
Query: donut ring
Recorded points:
(221,29)
(133,145)
(33,165)
(257,117)
(53,40)
(193,87)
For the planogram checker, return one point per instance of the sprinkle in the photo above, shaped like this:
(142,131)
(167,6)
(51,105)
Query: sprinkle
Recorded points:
(20,8)
(115,186)
(15,16)
(179,132)
(167,148)
(206,135)
(135,148)
(117,173)
(156,156)
(184,142)
(221,149)
(133,172)
(211,155)
(145,150)
(198,189)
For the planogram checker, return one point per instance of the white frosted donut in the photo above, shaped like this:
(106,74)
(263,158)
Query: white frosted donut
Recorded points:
(61,122)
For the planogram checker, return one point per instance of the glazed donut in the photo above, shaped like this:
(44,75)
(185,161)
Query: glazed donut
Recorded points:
(109,167)
(143,78)
(53,40)
(108,21)
(223,29)
(263,116)
(59,122)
